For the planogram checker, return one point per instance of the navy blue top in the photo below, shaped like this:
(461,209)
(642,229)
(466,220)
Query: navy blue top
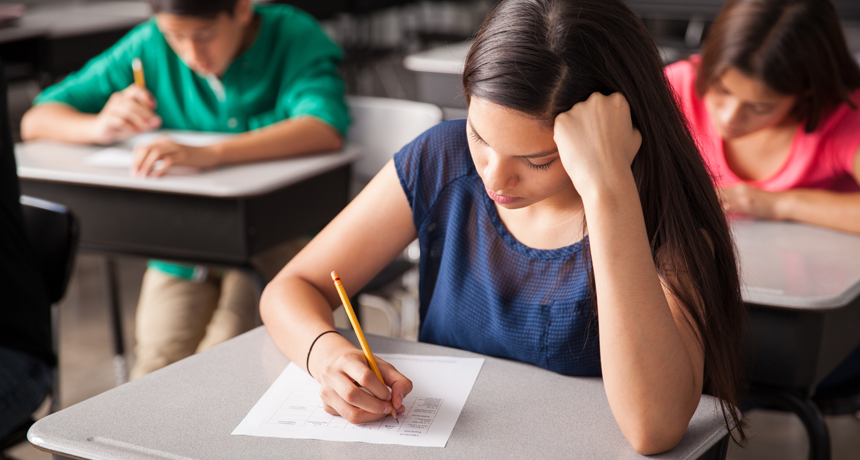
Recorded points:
(480,288)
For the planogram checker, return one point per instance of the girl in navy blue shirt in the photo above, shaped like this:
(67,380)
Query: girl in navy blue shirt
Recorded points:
(568,222)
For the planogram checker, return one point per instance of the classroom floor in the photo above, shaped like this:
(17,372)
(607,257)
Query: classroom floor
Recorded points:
(86,367)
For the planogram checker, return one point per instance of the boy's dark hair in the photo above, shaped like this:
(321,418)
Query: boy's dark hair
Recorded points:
(208,9)
(796,47)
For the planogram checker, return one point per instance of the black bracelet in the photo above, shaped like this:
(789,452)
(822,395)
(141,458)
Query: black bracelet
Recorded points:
(308,360)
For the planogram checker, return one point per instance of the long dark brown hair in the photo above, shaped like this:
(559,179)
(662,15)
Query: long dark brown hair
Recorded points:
(541,57)
(796,47)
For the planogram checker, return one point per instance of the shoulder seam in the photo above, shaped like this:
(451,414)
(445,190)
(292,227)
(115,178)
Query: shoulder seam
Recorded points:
(438,194)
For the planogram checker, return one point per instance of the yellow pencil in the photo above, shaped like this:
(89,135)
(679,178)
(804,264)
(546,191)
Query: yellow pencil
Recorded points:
(357,327)
(137,68)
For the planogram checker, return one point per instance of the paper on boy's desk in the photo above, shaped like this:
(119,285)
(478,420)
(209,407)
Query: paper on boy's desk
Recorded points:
(121,154)
(292,407)
(110,157)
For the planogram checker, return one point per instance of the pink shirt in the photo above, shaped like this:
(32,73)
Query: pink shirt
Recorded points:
(822,159)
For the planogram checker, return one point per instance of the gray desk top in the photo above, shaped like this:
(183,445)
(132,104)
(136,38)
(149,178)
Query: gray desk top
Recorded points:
(57,162)
(65,20)
(188,410)
(450,59)
(445,59)
(797,266)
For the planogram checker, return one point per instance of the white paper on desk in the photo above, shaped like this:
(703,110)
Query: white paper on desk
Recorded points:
(292,408)
(110,157)
(121,155)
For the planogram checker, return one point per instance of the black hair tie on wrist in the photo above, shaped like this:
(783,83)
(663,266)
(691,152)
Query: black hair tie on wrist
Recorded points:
(308,360)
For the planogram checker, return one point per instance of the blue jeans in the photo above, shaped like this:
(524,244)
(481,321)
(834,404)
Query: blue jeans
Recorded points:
(24,384)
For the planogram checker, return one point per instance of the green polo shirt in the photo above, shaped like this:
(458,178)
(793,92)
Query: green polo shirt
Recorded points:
(291,70)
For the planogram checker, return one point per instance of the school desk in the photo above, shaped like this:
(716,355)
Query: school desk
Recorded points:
(801,284)
(439,73)
(221,217)
(188,410)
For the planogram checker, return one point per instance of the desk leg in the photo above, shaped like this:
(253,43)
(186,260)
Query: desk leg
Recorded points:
(112,290)
(803,407)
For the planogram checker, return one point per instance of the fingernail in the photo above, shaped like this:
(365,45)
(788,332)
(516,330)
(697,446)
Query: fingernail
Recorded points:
(386,410)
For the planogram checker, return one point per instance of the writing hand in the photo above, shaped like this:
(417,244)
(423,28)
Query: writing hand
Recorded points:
(127,112)
(343,382)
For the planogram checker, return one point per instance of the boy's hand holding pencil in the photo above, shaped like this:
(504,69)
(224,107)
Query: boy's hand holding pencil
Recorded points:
(127,113)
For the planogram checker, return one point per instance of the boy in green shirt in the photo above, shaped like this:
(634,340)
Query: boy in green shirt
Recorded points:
(265,72)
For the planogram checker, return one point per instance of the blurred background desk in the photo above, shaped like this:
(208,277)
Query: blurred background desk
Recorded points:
(802,288)
(52,40)
(221,217)
(438,76)
(439,72)
(189,409)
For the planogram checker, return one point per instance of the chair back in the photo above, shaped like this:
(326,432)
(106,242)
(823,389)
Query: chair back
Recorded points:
(381,127)
(53,233)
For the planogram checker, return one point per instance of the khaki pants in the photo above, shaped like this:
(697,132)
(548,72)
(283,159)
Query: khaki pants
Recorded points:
(177,317)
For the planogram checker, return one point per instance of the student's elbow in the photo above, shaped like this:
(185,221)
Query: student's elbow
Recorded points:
(649,438)
(268,299)
(336,141)
(274,294)
(29,124)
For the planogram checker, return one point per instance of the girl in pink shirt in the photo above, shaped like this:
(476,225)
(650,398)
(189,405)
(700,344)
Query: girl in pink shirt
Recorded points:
(772,102)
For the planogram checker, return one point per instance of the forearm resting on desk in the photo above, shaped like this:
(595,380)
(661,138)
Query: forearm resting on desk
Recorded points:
(340,367)
(283,139)
(287,138)
(652,364)
(58,122)
(840,211)
(297,305)
(295,313)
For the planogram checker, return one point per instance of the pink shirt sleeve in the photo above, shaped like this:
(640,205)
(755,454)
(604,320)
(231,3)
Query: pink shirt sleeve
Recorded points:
(682,77)
(843,136)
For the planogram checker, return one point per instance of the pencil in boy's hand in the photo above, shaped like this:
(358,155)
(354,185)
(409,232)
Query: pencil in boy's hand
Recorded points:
(357,327)
(137,69)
